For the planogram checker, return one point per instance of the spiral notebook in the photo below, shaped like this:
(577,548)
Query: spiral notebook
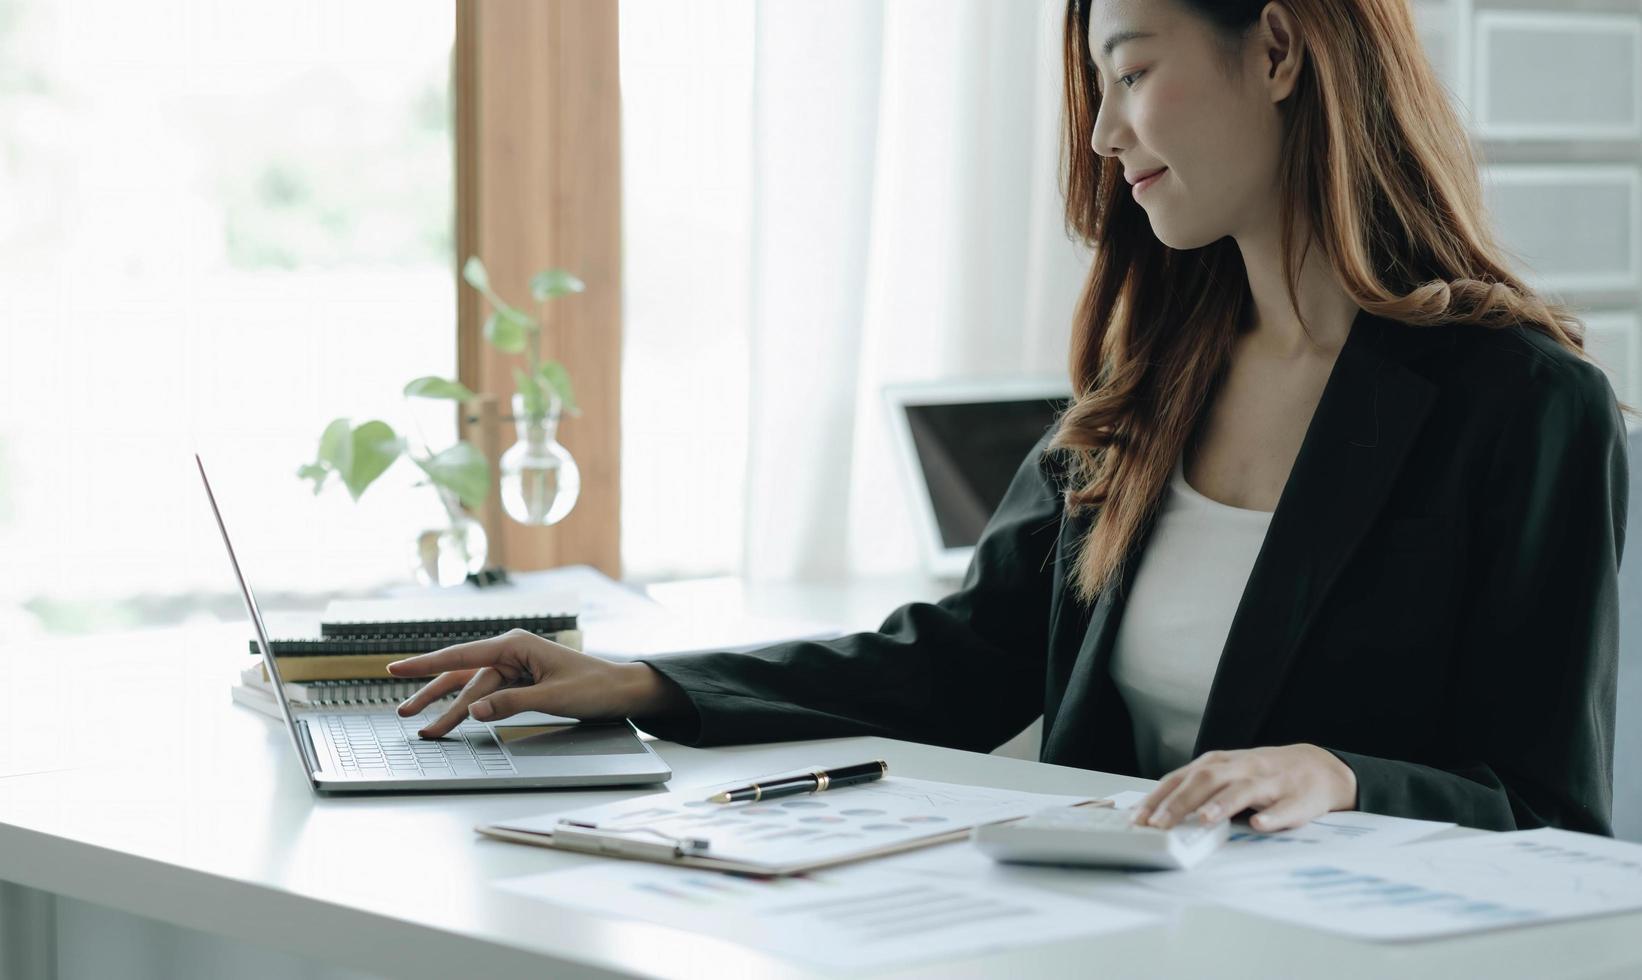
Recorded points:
(368,659)
(403,644)
(346,666)
(258,694)
(539,612)
(336,693)
(356,696)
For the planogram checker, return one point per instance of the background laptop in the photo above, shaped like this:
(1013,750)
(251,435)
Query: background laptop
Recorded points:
(960,443)
(374,751)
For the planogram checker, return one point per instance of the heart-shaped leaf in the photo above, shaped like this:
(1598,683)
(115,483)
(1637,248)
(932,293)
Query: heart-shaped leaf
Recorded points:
(554,375)
(549,283)
(474,272)
(374,448)
(461,469)
(507,328)
(335,444)
(432,387)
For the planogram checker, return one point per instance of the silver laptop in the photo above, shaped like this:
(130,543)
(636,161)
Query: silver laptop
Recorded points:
(373,751)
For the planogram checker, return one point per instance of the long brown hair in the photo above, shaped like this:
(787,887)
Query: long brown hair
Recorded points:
(1374,158)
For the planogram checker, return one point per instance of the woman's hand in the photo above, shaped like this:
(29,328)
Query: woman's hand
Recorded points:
(1288,784)
(520,671)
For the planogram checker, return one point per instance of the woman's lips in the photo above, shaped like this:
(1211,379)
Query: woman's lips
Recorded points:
(1141,185)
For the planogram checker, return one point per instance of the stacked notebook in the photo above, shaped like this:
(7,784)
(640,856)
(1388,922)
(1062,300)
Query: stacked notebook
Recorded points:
(347,664)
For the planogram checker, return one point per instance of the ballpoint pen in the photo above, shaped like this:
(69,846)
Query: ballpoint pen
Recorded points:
(810,782)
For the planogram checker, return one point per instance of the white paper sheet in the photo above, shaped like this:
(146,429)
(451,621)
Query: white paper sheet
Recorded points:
(813,827)
(592,595)
(1437,888)
(695,632)
(963,861)
(618,622)
(847,919)
(453,604)
(1341,830)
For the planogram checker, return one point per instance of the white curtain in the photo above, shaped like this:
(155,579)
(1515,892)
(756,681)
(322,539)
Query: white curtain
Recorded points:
(822,197)
(906,225)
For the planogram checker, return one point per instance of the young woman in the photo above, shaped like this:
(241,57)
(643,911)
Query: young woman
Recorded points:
(1334,520)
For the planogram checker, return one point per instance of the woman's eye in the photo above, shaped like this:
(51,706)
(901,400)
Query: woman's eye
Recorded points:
(1124,79)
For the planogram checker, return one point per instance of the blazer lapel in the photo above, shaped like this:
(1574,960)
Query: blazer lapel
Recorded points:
(1070,732)
(1370,411)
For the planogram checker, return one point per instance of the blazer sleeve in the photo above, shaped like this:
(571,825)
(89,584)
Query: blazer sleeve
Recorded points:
(967,671)
(1531,693)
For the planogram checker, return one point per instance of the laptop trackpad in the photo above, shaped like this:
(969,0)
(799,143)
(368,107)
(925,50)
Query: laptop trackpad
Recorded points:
(560,740)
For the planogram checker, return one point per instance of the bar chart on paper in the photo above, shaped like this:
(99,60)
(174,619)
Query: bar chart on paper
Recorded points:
(853,918)
(1342,831)
(1435,888)
(1339,830)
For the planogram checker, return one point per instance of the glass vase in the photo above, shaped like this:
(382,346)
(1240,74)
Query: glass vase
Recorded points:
(448,554)
(540,480)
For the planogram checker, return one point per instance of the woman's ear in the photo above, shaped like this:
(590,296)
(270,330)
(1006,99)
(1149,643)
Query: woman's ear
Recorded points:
(1282,52)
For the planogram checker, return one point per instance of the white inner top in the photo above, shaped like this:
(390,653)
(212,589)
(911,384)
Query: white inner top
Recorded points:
(1187,587)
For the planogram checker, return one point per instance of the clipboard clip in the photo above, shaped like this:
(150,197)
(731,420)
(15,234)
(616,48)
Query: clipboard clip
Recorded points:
(584,836)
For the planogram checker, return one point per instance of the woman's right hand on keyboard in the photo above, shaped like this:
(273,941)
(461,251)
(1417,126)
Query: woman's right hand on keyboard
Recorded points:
(520,671)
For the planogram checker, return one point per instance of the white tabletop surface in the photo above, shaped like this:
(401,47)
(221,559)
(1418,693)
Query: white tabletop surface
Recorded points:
(129,779)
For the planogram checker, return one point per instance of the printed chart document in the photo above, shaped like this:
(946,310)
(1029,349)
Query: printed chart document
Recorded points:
(793,833)
(1438,888)
(843,919)
(1340,830)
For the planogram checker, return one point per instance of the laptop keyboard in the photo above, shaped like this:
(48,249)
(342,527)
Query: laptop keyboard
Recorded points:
(385,744)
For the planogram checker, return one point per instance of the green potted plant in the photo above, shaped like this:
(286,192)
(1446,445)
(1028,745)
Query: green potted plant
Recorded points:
(540,480)
(460,475)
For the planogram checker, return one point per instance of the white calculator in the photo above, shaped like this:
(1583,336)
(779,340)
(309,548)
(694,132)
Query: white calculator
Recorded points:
(1098,836)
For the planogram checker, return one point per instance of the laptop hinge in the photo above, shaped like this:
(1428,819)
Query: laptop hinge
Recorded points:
(307,740)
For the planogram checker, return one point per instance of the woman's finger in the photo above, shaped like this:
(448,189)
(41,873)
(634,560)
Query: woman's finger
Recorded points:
(484,682)
(1235,797)
(510,701)
(1286,814)
(434,690)
(1203,782)
(1159,793)
(458,656)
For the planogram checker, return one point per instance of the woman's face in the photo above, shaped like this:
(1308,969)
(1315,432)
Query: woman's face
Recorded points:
(1170,100)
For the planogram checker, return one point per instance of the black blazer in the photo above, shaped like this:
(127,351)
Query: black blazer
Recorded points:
(1436,603)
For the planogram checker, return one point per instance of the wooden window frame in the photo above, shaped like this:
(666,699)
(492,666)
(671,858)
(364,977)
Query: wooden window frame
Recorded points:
(536,91)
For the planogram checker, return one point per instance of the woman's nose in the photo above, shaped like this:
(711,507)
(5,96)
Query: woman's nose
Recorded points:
(1101,137)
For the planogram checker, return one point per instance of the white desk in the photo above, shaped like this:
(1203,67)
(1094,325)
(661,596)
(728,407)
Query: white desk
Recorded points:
(197,850)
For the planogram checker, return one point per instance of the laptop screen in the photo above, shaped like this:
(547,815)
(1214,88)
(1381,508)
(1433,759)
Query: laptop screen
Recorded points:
(960,443)
(968,453)
(255,614)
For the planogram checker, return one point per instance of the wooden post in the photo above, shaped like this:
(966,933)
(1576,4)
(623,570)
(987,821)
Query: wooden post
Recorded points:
(538,185)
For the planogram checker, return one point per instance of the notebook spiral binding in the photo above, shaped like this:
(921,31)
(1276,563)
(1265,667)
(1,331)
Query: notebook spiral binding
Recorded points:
(406,644)
(343,693)
(487,626)
(362,692)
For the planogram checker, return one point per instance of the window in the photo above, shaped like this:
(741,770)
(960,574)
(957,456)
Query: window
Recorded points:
(223,226)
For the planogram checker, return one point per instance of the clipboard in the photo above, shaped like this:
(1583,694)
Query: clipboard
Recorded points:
(607,844)
(786,837)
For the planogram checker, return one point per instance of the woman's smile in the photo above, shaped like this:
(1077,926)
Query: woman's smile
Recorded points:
(1149,180)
